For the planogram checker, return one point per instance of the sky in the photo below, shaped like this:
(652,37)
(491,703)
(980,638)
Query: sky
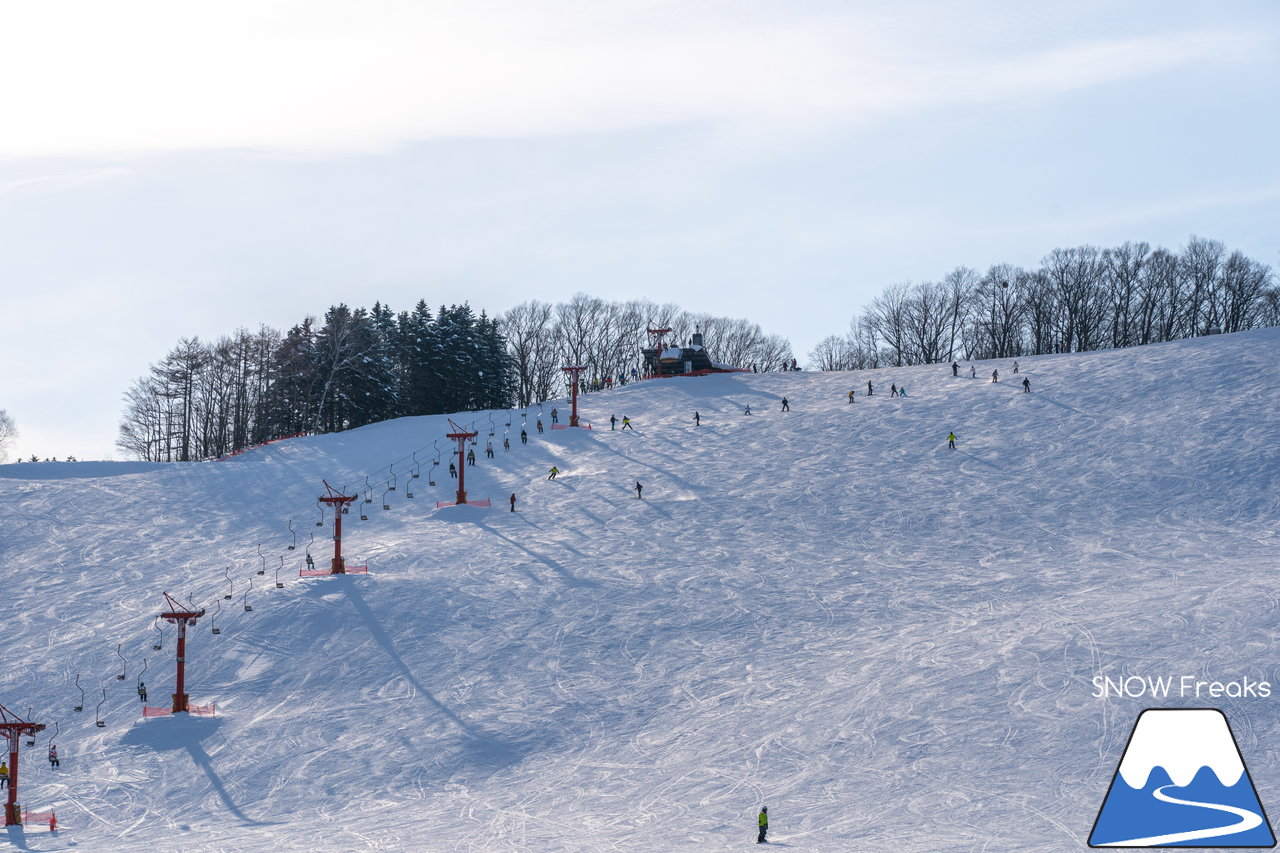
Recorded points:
(176,170)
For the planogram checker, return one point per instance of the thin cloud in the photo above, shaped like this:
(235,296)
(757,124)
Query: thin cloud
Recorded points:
(333,77)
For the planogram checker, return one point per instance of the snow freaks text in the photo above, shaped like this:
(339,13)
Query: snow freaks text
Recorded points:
(1181,686)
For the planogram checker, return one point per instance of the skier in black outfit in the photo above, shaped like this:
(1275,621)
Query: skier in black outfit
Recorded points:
(786,407)
(524,437)
(639,490)
(613,422)
(955,368)
(555,416)
(697,419)
(1026,385)
(893,389)
(471,457)
(453,470)
(869,388)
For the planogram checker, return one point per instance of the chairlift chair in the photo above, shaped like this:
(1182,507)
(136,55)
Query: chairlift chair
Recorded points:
(279,584)
(31,736)
(122,675)
(97,713)
(417,466)
(248,608)
(226,596)
(157,646)
(295,536)
(79,707)
(263,570)
(213,628)
(386,501)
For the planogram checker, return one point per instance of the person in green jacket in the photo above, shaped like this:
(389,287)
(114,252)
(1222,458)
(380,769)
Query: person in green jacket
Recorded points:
(764,825)
(951,440)
(554,471)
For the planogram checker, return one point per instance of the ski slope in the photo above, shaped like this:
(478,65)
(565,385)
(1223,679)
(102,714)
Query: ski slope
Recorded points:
(889,643)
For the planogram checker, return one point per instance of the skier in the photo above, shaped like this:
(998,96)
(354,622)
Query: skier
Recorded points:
(4,775)
(513,501)
(955,368)
(613,422)
(973,371)
(142,691)
(850,395)
(311,563)
(951,440)
(697,419)
(626,424)
(488,449)
(524,436)
(995,376)
(539,426)
(747,411)
(793,364)
(870,390)
(1015,367)
(763,820)
(453,470)
(639,490)
(902,392)
(506,444)
(893,389)
(53,757)
(554,471)
(471,457)
(555,416)
(1026,385)
(786,407)
(753,367)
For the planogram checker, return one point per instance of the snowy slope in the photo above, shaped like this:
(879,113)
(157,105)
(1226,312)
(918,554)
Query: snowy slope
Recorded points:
(890,644)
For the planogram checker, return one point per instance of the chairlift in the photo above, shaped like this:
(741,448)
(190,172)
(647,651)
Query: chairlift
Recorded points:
(213,616)
(391,469)
(408,490)
(417,466)
(122,675)
(79,707)
(31,736)
(97,712)
(386,501)
(295,536)
(159,644)
(368,495)
(57,729)
(279,584)
(144,671)
(248,608)
(320,506)
(263,570)
(226,596)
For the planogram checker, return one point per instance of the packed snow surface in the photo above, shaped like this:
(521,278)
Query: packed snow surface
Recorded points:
(826,611)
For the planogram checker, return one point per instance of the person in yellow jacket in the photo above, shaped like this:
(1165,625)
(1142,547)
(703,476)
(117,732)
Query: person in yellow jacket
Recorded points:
(764,825)
(951,440)
(4,775)
(554,471)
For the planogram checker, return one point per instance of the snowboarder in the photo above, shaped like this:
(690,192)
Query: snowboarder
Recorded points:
(613,422)
(995,376)
(453,470)
(142,691)
(554,471)
(893,389)
(951,440)
(747,411)
(513,501)
(697,419)
(626,424)
(955,368)
(870,390)
(763,820)
(555,416)
(1015,367)
(639,490)
(539,426)
(850,395)
(786,407)
(973,371)
(1026,385)
(488,449)
(53,757)
(4,775)
(524,436)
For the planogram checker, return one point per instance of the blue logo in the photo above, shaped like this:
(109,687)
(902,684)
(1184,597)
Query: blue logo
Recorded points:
(1182,783)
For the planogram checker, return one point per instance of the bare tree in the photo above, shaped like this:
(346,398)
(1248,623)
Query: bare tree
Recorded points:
(8,432)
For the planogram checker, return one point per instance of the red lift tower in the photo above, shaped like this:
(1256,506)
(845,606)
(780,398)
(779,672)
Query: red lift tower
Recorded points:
(656,335)
(573,414)
(461,435)
(14,728)
(182,617)
(339,566)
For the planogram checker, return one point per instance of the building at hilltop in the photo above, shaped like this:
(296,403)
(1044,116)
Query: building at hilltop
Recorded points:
(692,360)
